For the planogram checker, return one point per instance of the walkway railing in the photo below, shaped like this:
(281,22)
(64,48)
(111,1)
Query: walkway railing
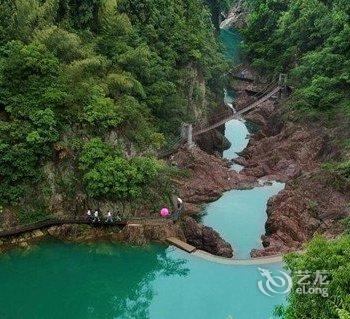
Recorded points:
(268,92)
(172,147)
(55,221)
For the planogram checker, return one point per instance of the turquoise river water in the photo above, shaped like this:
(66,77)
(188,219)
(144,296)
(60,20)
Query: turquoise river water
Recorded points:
(56,280)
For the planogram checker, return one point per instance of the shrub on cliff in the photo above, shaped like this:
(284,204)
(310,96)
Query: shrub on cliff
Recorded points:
(108,175)
(331,257)
(309,40)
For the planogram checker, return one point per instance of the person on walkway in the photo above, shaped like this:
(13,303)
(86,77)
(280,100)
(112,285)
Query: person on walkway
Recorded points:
(89,216)
(179,203)
(96,217)
(109,218)
(179,208)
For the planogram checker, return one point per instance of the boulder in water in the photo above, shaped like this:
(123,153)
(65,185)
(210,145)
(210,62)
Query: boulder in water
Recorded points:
(205,238)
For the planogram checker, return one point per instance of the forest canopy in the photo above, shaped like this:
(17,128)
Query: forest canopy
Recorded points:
(310,41)
(332,258)
(113,78)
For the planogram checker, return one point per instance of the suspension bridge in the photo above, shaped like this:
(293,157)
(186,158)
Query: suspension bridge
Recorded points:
(190,131)
(223,118)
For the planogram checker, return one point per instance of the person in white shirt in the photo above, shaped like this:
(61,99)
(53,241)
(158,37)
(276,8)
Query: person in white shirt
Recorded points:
(179,203)
(179,208)
(89,216)
(96,218)
(109,218)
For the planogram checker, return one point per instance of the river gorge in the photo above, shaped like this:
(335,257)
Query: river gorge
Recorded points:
(108,280)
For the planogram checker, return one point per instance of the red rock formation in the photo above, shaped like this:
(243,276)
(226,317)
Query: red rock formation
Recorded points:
(308,205)
(209,176)
(205,238)
(287,152)
(293,153)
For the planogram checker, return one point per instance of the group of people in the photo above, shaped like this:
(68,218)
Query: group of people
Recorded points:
(110,219)
(95,217)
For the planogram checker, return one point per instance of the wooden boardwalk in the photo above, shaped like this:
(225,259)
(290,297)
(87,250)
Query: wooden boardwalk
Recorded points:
(56,222)
(181,244)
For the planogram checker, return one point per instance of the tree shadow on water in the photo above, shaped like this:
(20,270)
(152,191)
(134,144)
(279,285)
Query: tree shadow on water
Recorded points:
(84,281)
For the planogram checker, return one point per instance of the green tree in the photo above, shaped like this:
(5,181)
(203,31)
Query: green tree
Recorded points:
(321,254)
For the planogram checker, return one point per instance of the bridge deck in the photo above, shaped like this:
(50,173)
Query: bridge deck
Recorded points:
(238,113)
(56,222)
(242,78)
(181,244)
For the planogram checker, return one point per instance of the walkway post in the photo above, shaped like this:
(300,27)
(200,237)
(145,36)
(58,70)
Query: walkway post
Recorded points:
(187,134)
(190,143)
(282,83)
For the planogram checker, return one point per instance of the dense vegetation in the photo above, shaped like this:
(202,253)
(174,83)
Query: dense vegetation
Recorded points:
(332,257)
(217,8)
(89,90)
(309,40)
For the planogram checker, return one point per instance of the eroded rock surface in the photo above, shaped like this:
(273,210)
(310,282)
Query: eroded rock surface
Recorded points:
(237,17)
(208,177)
(141,234)
(213,142)
(293,153)
(308,205)
(205,238)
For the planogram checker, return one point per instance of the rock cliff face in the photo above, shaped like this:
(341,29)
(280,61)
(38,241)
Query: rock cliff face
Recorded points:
(208,177)
(307,206)
(137,234)
(284,151)
(205,238)
(237,16)
(134,234)
(214,141)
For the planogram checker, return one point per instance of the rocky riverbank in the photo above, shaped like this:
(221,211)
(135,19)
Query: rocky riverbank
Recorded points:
(282,150)
(237,16)
(208,177)
(134,233)
(293,152)
(137,234)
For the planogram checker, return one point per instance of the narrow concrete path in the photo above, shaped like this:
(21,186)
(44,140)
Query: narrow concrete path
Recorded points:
(237,262)
(222,260)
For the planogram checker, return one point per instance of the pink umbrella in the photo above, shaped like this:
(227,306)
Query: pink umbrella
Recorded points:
(164,212)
